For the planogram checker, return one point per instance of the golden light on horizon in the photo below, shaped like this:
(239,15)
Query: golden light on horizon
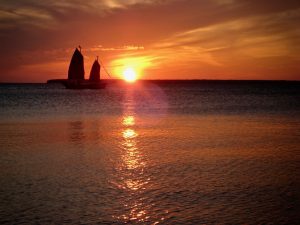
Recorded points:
(131,68)
(129,75)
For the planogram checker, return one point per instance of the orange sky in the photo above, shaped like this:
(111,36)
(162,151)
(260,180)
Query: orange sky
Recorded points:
(160,39)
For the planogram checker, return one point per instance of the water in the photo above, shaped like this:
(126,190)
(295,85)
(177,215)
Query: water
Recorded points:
(152,153)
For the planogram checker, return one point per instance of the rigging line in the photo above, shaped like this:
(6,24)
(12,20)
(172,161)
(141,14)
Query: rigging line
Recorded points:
(104,68)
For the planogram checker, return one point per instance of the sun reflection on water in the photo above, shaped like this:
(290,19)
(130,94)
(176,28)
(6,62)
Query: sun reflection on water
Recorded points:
(132,157)
(129,134)
(132,167)
(128,121)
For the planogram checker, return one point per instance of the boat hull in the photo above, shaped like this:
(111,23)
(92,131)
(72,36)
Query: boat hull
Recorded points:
(84,84)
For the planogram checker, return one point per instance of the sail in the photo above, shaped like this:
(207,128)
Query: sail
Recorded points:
(95,71)
(76,68)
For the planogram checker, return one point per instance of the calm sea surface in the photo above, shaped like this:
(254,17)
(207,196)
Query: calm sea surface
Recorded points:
(151,153)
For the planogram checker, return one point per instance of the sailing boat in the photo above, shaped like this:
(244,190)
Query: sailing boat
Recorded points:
(76,74)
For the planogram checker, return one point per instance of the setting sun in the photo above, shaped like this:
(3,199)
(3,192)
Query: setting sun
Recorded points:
(130,69)
(129,75)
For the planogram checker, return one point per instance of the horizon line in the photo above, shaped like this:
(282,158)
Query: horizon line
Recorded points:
(164,80)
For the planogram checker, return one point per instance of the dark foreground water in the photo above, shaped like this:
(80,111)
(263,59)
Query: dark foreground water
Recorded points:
(153,153)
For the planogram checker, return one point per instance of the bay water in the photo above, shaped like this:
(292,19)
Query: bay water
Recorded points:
(193,152)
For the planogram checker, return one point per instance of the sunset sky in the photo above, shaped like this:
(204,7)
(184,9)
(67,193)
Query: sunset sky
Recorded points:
(160,39)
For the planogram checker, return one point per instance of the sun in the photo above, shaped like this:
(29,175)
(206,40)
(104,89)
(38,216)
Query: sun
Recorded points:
(129,75)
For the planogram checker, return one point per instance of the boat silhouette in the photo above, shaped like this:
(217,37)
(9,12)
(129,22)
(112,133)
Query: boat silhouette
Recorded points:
(76,72)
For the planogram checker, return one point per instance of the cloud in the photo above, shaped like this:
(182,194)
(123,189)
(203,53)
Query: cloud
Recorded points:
(190,36)
(123,48)
(256,41)
(58,8)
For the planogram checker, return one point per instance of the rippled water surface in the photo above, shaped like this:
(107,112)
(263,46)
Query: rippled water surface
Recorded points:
(153,153)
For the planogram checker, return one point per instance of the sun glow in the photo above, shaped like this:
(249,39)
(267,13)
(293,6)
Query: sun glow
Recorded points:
(129,75)
(128,68)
